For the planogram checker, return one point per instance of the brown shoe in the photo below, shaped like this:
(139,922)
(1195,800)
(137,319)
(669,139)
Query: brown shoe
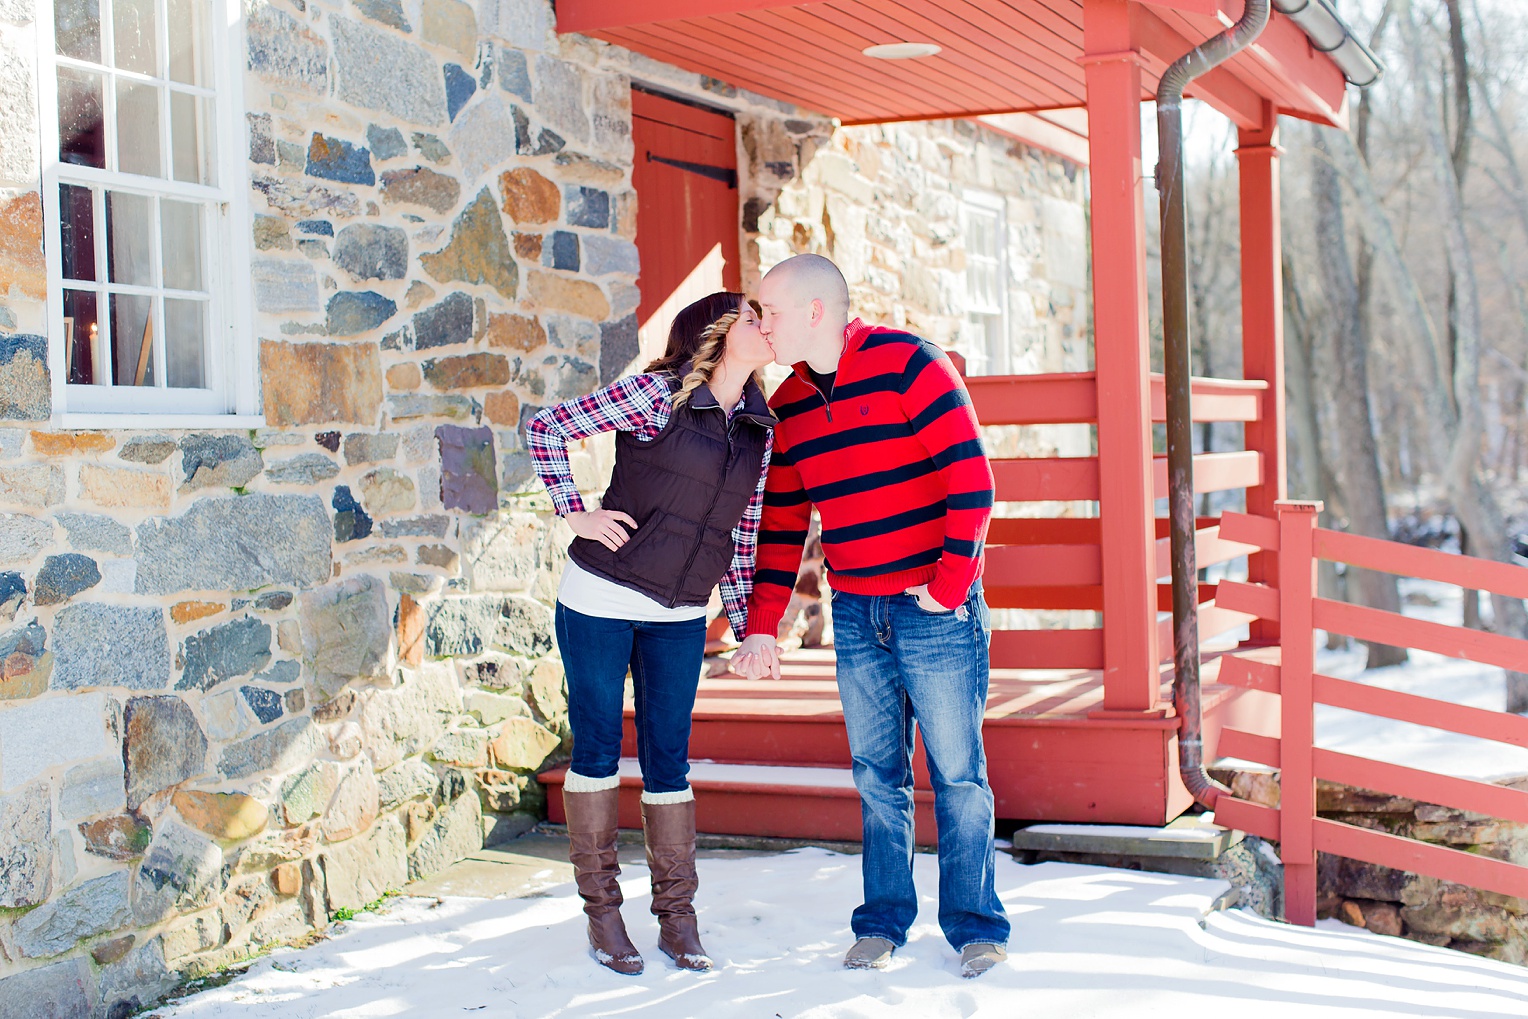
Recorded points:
(670,831)
(597,872)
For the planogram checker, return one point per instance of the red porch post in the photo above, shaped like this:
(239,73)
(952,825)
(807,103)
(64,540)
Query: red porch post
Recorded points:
(1263,331)
(1112,61)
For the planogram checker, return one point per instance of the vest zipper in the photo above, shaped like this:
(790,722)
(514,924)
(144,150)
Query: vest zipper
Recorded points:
(716,494)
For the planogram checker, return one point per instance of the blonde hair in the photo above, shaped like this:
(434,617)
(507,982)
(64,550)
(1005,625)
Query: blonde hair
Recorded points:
(713,345)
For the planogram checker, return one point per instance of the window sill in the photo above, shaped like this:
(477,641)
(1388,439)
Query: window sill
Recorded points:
(160,422)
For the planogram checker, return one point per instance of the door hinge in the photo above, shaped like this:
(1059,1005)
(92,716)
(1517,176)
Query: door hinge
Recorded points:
(726,174)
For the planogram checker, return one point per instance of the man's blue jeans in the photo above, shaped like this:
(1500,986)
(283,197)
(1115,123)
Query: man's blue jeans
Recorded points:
(898,663)
(664,659)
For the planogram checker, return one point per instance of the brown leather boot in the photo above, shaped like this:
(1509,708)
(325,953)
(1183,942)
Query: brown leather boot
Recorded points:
(670,831)
(597,871)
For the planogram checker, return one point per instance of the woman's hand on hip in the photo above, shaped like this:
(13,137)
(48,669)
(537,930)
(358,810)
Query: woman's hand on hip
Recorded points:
(603,526)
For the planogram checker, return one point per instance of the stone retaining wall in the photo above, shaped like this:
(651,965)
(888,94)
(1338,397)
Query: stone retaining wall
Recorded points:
(250,677)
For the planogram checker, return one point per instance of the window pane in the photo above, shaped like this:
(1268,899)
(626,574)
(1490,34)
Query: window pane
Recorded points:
(138,129)
(188,44)
(185,343)
(77,28)
(132,26)
(132,331)
(76,213)
(83,339)
(81,131)
(130,239)
(181,241)
(188,130)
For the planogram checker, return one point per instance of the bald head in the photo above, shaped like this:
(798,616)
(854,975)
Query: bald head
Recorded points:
(806,307)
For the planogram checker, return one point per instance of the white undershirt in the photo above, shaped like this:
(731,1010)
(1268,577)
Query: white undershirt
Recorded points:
(593,595)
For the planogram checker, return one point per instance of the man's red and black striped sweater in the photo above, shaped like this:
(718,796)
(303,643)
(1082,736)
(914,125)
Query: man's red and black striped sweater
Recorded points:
(895,466)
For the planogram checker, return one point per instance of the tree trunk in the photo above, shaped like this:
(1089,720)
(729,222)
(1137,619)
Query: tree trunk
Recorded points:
(1358,456)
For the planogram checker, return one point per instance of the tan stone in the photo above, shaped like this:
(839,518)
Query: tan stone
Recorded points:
(287,879)
(528,246)
(289,636)
(186,611)
(230,816)
(356,803)
(410,631)
(272,232)
(23,271)
(421,186)
(419,293)
(71,443)
(1351,913)
(502,408)
(108,952)
(22,676)
(417,818)
(529,197)
(123,487)
(404,376)
(450,23)
(467,371)
(478,251)
(560,293)
(385,491)
(36,486)
(522,744)
(1381,918)
(311,383)
(516,332)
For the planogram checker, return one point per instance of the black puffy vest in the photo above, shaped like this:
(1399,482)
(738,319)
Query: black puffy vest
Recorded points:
(686,489)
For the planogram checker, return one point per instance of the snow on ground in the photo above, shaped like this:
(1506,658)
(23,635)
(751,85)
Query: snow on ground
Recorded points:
(1087,942)
(1426,675)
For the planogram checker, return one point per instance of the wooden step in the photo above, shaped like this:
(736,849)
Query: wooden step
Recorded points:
(758,799)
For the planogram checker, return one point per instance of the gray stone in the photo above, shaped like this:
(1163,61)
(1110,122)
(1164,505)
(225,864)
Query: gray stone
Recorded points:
(387,12)
(97,533)
(351,313)
(156,449)
(94,907)
(273,601)
(163,746)
(514,72)
(484,136)
(448,322)
(469,481)
(411,780)
(61,991)
(570,378)
(386,142)
(346,632)
(409,406)
(119,576)
(362,870)
(182,871)
(284,51)
(367,252)
(524,628)
(131,985)
(218,461)
(10,443)
(262,149)
(604,254)
(22,537)
(237,543)
(36,735)
(368,448)
(300,199)
(24,659)
(560,97)
(379,71)
(457,833)
(401,722)
(64,576)
(282,287)
(110,645)
(283,747)
(500,552)
(92,789)
(303,469)
(26,854)
(282,672)
(224,652)
(433,526)
(38,486)
(526,24)
(462,627)
(25,386)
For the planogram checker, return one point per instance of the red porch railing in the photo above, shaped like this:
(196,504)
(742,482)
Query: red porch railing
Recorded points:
(1057,562)
(1300,544)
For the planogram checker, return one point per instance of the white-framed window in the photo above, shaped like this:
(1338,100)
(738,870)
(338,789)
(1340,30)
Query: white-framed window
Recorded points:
(145,212)
(986,232)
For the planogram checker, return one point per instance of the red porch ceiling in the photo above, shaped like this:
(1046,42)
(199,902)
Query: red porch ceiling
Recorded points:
(996,56)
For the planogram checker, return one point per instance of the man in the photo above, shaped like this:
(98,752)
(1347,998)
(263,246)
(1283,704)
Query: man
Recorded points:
(876,430)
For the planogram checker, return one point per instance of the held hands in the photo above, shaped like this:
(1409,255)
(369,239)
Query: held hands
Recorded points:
(603,526)
(757,658)
(926,601)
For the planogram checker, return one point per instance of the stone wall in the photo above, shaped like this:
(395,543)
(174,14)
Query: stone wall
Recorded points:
(252,677)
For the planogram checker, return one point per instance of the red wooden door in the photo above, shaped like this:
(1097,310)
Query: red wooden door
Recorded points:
(687,209)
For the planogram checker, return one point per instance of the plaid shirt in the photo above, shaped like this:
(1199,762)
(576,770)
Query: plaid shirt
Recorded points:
(639,404)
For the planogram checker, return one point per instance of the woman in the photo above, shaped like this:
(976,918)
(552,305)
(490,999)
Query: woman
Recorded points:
(681,514)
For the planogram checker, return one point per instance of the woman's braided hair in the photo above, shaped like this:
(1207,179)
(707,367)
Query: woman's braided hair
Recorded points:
(698,341)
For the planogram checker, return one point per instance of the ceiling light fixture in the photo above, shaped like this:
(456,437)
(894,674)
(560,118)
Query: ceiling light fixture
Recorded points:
(900,50)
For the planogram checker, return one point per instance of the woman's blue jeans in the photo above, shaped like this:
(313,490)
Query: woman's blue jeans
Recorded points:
(665,661)
(897,664)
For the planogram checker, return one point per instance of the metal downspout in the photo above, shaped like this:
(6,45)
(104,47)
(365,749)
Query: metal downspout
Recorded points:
(1177,372)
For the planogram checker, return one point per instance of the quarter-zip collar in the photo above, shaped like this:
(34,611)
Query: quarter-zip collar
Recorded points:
(855,334)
